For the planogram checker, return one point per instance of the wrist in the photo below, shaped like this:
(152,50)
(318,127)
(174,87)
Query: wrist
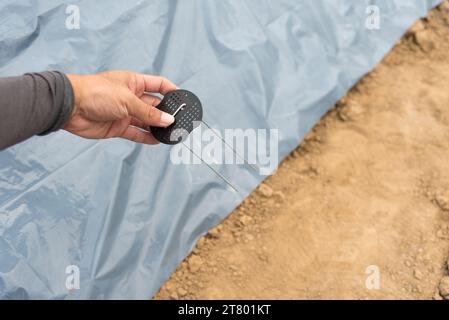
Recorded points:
(76,82)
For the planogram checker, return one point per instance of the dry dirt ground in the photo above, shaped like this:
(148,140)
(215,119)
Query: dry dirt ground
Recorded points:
(369,186)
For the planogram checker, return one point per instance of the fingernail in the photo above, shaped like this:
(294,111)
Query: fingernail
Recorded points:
(167,119)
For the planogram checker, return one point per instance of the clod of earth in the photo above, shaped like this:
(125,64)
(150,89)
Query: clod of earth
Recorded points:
(444,287)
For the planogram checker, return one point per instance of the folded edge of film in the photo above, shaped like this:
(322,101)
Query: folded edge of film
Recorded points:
(118,216)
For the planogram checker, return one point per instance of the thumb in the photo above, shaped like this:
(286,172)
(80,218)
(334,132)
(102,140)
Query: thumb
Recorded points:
(146,113)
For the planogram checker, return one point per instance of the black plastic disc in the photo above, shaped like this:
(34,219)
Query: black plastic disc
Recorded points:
(188,113)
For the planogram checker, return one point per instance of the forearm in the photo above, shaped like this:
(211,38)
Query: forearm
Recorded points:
(36,103)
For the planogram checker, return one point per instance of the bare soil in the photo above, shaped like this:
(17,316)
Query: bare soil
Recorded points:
(369,186)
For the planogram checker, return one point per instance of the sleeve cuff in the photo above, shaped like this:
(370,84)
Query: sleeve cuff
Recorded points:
(66,102)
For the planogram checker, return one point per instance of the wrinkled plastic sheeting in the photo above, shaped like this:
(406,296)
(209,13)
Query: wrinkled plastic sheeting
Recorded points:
(120,211)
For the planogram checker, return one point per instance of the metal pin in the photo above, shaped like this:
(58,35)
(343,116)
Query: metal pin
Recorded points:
(212,168)
(256,169)
(180,108)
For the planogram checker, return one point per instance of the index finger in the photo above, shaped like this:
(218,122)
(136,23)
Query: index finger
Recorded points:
(158,84)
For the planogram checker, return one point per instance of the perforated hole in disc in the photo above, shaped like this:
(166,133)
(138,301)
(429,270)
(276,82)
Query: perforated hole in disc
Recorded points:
(189,113)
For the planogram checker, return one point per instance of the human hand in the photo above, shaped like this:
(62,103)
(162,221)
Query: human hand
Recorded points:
(117,104)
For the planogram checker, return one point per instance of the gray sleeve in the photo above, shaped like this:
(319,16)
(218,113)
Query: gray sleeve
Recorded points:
(35,103)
